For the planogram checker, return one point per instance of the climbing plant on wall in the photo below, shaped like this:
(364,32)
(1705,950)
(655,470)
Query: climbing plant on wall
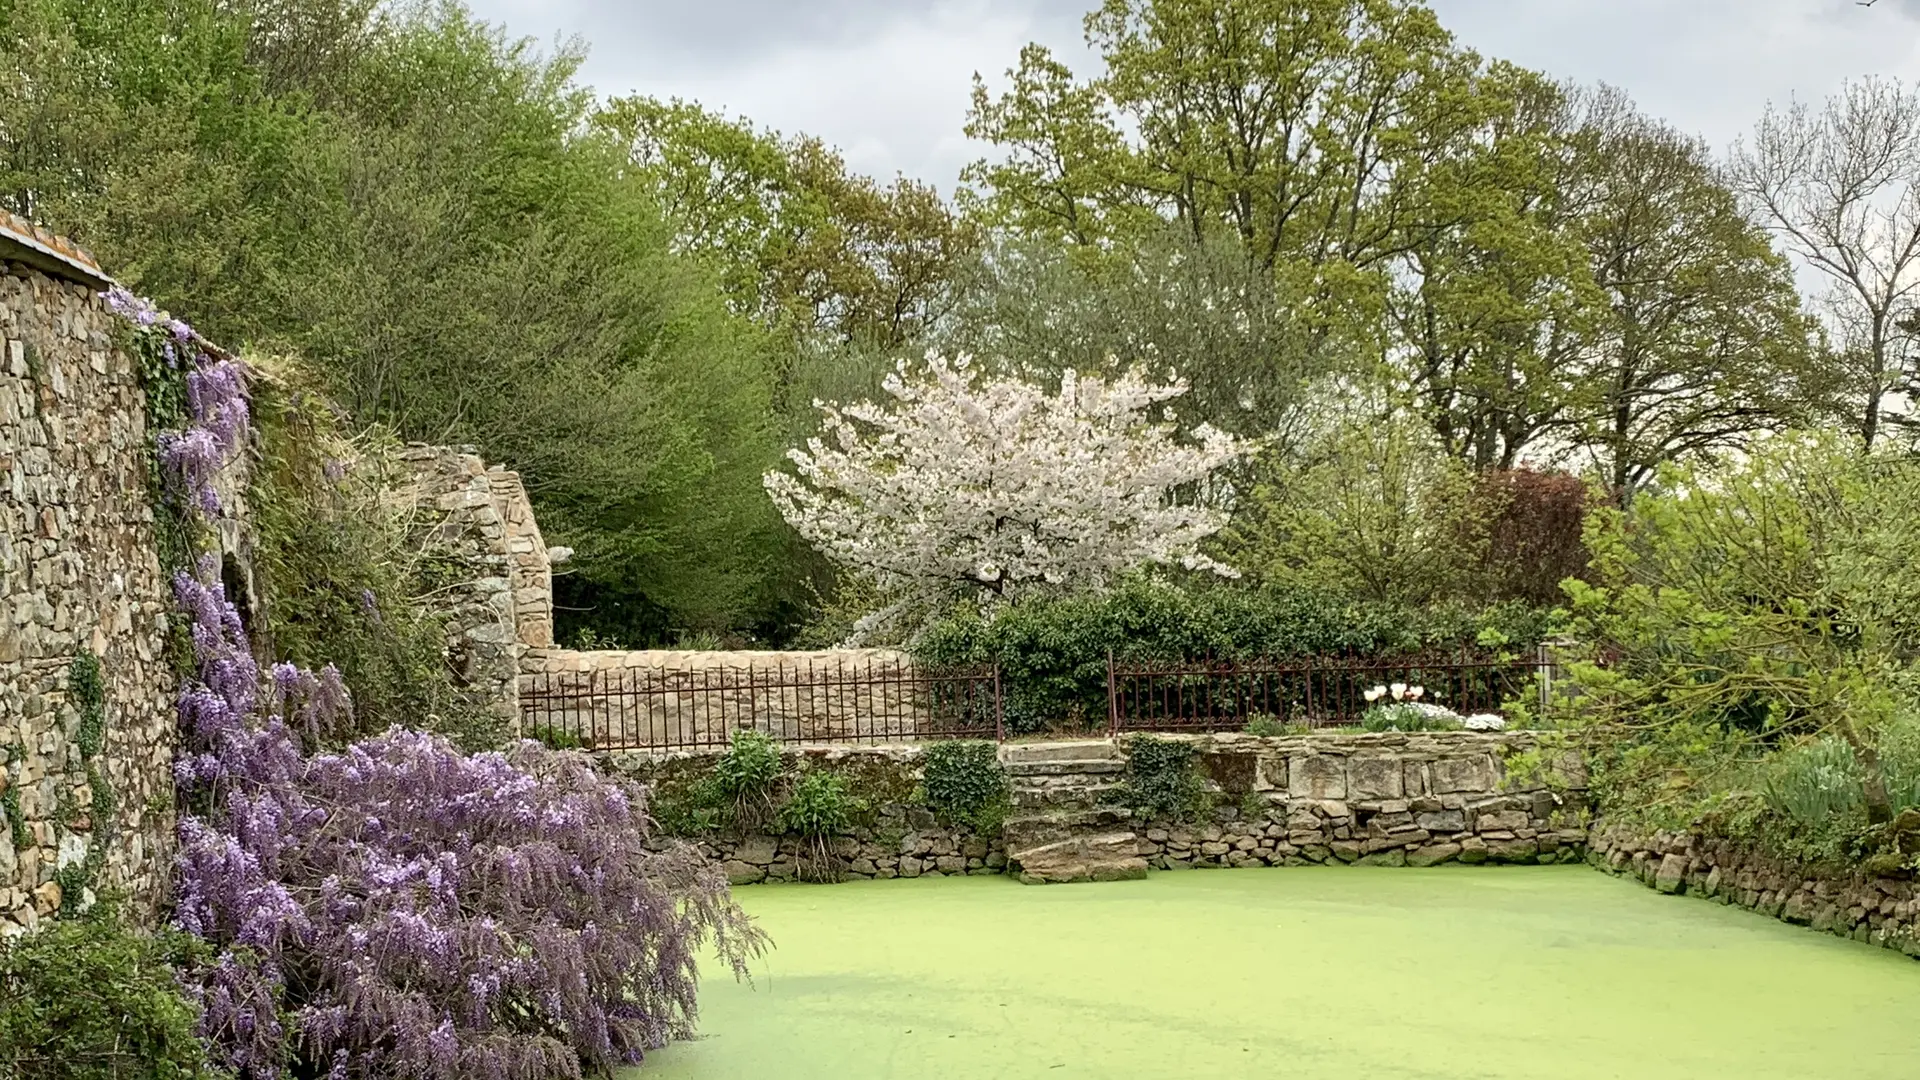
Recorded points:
(402,839)
(86,688)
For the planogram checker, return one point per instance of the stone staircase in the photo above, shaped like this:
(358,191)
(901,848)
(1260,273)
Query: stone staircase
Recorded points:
(1062,827)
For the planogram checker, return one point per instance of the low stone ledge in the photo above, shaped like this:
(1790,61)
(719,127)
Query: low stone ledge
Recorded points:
(1876,910)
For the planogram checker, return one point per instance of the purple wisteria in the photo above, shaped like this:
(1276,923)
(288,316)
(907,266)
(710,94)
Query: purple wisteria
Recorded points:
(218,414)
(398,908)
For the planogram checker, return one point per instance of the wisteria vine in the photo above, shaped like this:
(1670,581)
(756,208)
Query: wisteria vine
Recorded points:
(398,908)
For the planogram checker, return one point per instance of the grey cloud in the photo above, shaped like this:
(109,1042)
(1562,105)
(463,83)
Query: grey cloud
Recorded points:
(681,35)
(888,80)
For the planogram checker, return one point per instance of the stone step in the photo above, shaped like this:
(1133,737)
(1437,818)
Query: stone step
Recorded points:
(1088,766)
(1108,856)
(1035,829)
(1069,750)
(1087,796)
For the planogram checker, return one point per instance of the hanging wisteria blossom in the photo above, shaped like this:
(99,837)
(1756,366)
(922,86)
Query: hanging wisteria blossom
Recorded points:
(397,908)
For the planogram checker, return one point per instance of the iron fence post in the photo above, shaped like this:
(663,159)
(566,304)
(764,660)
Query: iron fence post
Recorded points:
(999,708)
(1113,700)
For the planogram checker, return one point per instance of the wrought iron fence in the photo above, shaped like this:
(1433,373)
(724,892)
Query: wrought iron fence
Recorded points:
(813,701)
(840,701)
(1318,692)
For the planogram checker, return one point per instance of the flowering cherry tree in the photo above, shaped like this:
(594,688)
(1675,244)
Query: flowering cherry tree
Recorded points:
(968,485)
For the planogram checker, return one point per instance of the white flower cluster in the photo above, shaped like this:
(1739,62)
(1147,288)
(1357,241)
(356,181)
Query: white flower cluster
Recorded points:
(1398,691)
(969,485)
(1404,696)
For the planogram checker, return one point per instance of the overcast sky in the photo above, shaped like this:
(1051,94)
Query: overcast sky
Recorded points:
(888,80)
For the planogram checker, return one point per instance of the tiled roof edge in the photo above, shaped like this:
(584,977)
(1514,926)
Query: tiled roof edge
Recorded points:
(22,241)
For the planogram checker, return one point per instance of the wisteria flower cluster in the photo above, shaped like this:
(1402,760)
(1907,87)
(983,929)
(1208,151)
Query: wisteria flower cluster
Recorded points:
(218,413)
(975,485)
(398,908)
(401,909)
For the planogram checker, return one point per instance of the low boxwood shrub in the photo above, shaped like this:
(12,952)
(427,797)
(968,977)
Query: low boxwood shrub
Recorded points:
(963,784)
(1052,651)
(89,997)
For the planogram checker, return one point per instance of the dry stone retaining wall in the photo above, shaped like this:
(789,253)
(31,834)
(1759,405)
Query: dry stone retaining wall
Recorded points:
(1383,799)
(1880,911)
(1397,799)
(78,572)
(897,838)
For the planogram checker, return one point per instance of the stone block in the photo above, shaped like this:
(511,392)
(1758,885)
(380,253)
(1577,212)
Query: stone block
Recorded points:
(1316,776)
(1501,821)
(1442,821)
(1432,854)
(1671,877)
(1370,777)
(1461,774)
(740,873)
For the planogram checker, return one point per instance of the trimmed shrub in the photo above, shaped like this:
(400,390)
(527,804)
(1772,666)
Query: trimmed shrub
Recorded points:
(89,997)
(1053,652)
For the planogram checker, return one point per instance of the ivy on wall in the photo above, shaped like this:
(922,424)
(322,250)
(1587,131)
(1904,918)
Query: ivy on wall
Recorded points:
(1162,782)
(86,688)
(10,798)
(963,784)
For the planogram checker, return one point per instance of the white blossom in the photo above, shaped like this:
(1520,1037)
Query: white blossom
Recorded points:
(966,485)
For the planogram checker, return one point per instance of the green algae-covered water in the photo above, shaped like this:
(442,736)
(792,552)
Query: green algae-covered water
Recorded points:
(1315,974)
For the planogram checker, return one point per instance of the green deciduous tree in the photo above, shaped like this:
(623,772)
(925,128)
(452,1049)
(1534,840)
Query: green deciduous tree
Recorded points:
(1163,302)
(1764,599)
(798,237)
(1702,342)
(1374,510)
(418,206)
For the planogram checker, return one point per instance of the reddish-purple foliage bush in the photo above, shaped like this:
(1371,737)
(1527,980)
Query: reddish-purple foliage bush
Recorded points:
(398,908)
(1533,533)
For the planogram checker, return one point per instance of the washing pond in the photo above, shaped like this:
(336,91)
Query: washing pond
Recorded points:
(1316,974)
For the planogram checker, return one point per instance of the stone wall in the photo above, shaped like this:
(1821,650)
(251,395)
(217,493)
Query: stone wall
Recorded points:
(1880,911)
(896,837)
(1393,799)
(662,697)
(476,522)
(78,572)
(1389,799)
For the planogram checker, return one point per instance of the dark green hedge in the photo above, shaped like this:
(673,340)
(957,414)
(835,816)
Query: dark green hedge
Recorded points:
(1053,652)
